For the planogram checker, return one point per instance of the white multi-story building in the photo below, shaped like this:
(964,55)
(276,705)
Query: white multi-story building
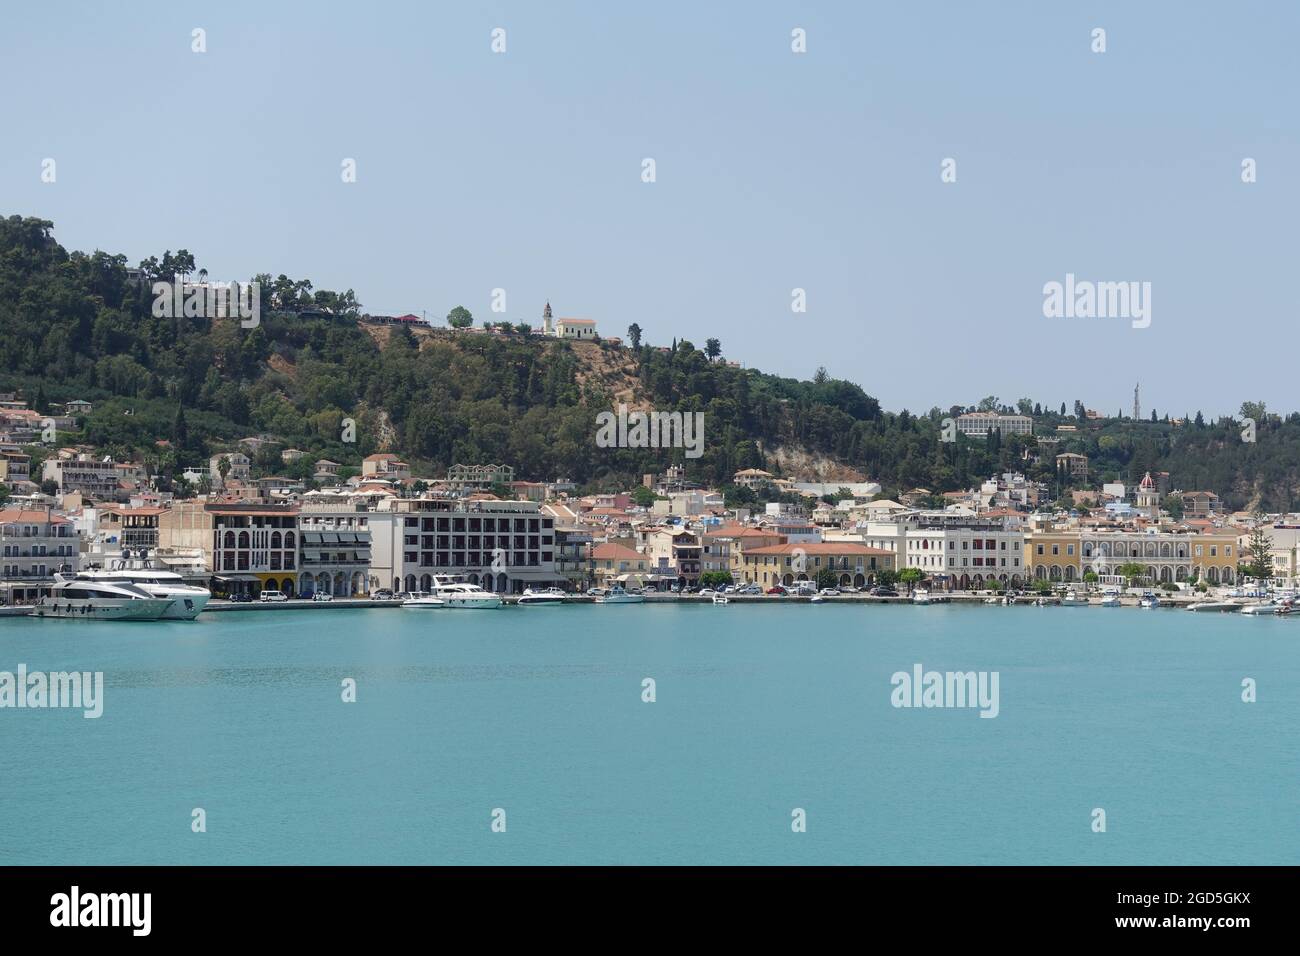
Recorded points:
(33,546)
(958,549)
(505,546)
(979,424)
(334,544)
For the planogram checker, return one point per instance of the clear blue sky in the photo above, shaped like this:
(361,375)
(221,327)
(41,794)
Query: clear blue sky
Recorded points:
(775,171)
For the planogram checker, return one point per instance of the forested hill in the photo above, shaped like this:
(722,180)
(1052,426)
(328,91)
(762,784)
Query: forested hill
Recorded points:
(76,325)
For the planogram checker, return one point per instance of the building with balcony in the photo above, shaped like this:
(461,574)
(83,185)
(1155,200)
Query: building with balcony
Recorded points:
(505,546)
(853,563)
(95,478)
(334,549)
(979,424)
(34,544)
(248,547)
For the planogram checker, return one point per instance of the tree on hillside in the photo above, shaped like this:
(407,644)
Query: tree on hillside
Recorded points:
(712,348)
(634,335)
(460,318)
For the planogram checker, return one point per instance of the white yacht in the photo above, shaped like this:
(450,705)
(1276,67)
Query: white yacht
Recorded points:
(921,596)
(423,600)
(457,593)
(99,600)
(542,597)
(1110,599)
(187,600)
(1227,607)
(618,595)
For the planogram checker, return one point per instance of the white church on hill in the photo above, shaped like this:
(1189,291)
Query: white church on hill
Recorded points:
(567,328)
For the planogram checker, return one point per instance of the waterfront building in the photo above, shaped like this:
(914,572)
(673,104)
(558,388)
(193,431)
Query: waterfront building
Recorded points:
(614,563)
(121,527)
(334,548)
(957,549)
(853,563)
(1166,557)
(505,546)
(674,552)
(34,544)
(248,546)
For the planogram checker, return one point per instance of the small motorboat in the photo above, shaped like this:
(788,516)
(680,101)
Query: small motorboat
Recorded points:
(921,596)
(1074,599)
(1149,600)
(424,600)
(542,597)
(721,599)
(1223,607)
(816,599)
(618,595)
(1110,599)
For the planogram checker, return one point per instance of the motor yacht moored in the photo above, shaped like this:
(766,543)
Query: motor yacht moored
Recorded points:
(458,593)
(187,600)
(542,597)
(422,600)
(83,599)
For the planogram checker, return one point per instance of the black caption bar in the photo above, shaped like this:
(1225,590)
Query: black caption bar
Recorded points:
(334,904)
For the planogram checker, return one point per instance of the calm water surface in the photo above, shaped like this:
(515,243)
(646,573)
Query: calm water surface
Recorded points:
(759,710)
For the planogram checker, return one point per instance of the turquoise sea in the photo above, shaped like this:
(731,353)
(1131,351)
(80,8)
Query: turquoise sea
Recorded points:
(759,710)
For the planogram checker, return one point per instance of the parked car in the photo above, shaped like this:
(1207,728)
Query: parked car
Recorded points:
(596,592)
(879,591)
(829,592)
(848,589)
(777,589)
(708,592)
(322,596)
(241,598)
(383,594)
(751,589)
(273,596)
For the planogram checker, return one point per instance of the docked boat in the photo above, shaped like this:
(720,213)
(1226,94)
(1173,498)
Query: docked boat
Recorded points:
(187,600)
(1260,609)
(1074,599)
(542,597)
(462,594)
(1149,600)
(618,595)
(721,599)
(1110,599)
(816,599)
(424,600)
(921,596)
(1223,607)
(75,597)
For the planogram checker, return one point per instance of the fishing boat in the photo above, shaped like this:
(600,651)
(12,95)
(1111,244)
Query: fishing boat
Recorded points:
(187,600)
(75,597)
(423,600)
(542,597)
(618,595)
